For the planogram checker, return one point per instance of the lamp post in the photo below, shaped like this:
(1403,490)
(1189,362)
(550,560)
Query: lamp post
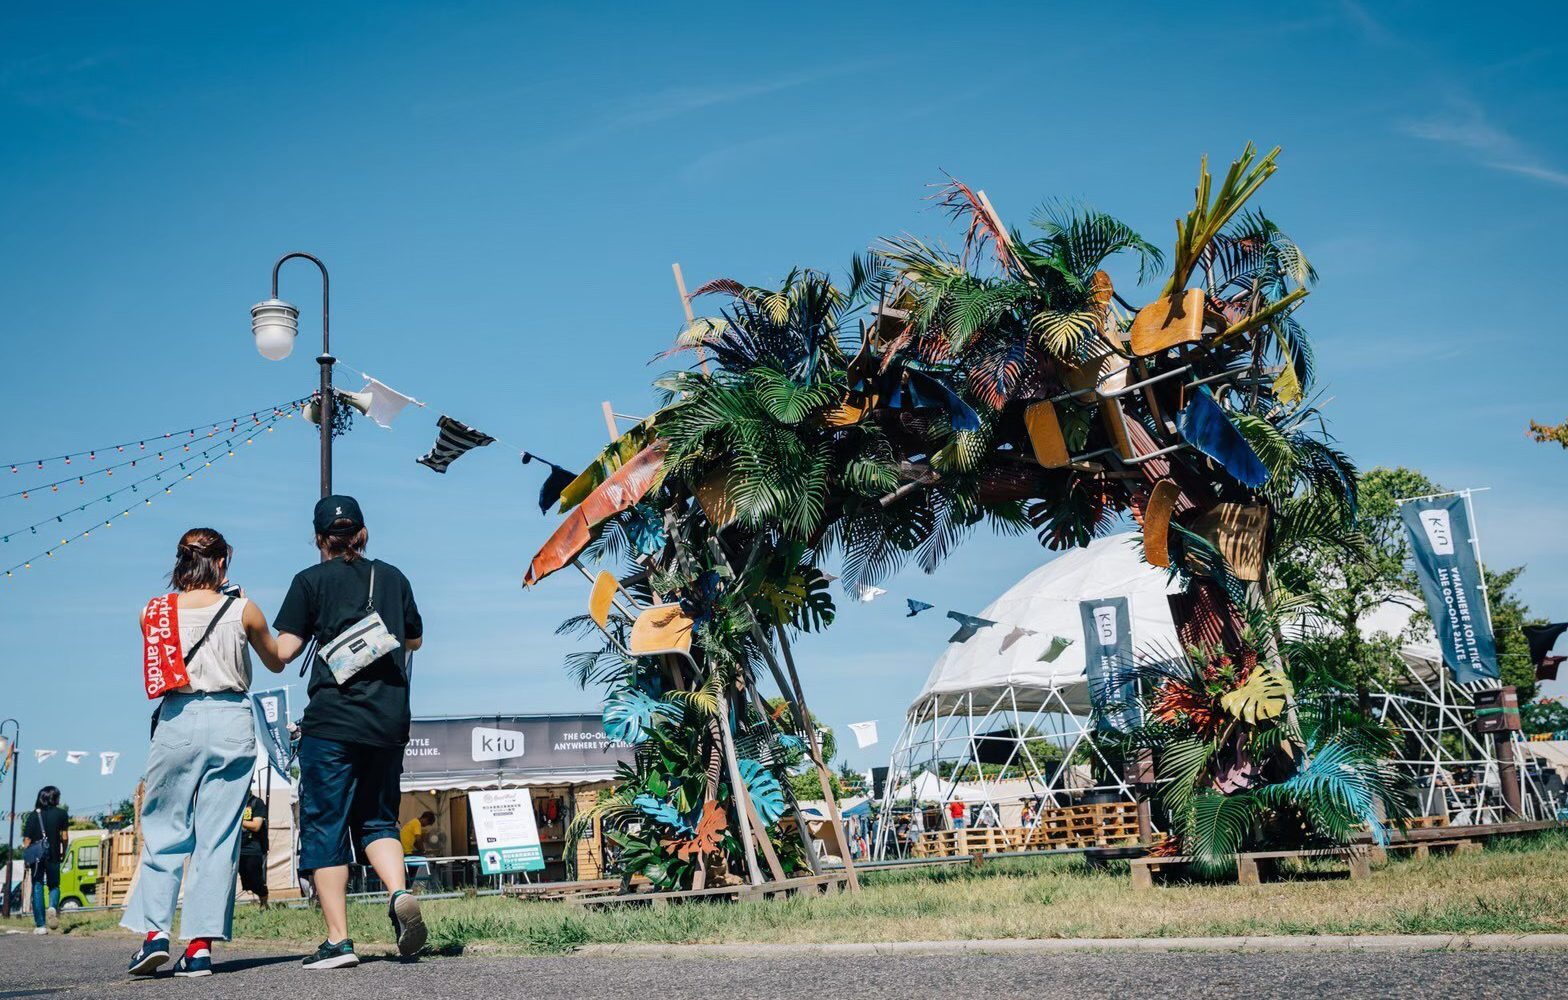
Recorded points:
(10,833)
(275,325)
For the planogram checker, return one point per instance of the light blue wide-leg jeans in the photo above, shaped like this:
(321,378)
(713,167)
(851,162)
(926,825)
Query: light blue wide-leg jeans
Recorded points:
(198,773)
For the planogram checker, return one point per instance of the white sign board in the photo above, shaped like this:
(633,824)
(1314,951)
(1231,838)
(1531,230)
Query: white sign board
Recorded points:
(504,827)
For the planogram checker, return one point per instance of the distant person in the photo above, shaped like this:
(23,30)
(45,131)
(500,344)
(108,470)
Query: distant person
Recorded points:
(987,816)
(917,825)
(203,753)
(356,724)
(957,814)
(44,835)
(253,848)
(1026,816)
(413,833)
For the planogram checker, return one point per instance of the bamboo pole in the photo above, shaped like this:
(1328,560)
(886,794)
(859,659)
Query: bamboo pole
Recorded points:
(789,793)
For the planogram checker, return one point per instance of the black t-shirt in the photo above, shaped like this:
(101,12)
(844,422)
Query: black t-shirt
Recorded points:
(56,821)
(254,843)
(323,601)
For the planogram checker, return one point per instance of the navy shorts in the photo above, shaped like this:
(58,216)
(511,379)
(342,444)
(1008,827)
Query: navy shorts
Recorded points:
(347,790)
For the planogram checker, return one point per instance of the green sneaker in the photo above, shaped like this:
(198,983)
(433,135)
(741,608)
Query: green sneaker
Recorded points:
(333,956)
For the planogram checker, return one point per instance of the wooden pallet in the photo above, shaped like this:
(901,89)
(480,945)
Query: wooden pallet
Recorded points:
(1253,867)
(1426,822)
(810,885)
(971,840)
(1424,848)
(1102,824)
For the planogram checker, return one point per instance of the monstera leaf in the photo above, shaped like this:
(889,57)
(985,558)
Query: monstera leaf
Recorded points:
(766,794)
(1261,697)
(631,713)
(662,812)
(804,601)
(708,835)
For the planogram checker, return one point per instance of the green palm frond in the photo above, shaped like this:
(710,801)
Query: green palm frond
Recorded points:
(1218,828)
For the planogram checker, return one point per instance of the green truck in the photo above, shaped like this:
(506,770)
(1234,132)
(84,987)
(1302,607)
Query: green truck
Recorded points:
(79,870)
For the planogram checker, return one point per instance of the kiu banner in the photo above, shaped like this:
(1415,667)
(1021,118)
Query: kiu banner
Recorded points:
(271,709)
(1440,534)
(1108,661)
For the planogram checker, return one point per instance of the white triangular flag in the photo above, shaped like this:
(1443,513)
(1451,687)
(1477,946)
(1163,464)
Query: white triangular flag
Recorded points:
(865,733)
(385,402)
(74,756)
(106,761)
(866,592)
(39,756)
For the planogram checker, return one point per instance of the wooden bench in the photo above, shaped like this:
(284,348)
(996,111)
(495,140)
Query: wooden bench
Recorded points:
(1253,867)
(808,885)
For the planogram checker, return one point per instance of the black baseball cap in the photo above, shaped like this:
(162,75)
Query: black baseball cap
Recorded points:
(336,508)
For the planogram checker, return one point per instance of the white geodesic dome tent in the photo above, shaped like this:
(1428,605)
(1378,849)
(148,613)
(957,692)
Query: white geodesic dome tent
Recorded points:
(999,697)
(994,662)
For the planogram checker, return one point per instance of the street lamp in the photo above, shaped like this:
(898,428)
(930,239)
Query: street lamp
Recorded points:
(275,325)
(10,833)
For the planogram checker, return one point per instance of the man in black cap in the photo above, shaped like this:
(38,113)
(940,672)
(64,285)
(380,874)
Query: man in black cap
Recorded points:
(355,729)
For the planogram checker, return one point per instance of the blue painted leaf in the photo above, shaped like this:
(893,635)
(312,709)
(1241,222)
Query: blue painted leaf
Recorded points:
(629,714)
(766,794)
(1206,426)
(663,812)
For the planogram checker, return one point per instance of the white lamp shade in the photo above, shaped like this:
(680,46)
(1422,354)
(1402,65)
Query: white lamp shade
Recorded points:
(275,324)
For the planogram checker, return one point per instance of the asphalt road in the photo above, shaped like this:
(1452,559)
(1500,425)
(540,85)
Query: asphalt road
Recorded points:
(67,967)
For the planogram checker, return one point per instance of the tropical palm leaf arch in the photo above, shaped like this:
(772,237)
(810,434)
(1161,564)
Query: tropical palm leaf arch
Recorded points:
(865,423)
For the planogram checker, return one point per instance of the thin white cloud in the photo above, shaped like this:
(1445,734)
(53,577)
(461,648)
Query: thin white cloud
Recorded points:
(1466,126)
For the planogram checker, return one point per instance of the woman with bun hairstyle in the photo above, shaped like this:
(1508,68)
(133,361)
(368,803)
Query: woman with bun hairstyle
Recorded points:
(196,656)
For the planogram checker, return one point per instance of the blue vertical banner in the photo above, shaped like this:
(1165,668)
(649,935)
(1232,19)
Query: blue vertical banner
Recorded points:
(1441,541)
(1108,661)
(271,709)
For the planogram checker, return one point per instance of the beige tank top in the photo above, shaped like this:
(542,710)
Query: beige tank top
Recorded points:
(223,661)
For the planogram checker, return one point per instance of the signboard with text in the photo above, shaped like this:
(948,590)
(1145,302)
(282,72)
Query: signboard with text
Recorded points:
(515,744)
(505,831)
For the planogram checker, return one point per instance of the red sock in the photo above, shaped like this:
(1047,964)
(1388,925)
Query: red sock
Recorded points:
(154,934)
(198,944)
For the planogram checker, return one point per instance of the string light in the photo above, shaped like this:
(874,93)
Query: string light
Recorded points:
(216,450)
(108,469)
(85,533)
(211,428)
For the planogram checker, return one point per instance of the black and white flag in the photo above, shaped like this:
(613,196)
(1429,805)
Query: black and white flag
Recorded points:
(455,439)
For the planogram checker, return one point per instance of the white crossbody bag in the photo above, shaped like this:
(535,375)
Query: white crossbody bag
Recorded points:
(362,643)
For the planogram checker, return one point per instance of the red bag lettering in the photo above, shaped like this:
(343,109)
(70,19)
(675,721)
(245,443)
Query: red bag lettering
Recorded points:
(163,663)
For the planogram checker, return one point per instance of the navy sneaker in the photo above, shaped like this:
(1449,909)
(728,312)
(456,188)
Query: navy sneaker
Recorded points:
(333,956)
(191,966)
(150,957)
(407,923)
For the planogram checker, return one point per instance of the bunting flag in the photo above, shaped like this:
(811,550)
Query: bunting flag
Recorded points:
(385,402)
(558,480)
(968,626)
(915,607)
(1541,639)
(867,593)
(39,756)
(1546,670)
(107,759)
(7,751)
(454,441)
(865,733)
(1013,636)
(74,756)
(1057,647)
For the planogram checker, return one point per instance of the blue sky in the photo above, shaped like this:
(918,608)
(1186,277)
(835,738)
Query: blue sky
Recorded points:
(500,192)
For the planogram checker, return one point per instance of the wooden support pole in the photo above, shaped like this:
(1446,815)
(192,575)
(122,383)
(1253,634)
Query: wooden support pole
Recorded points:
(816,756)
(680,286)
(609,420)
(739,788)
(789,793)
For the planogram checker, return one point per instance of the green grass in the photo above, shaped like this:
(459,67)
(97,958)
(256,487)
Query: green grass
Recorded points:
(1518,886)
